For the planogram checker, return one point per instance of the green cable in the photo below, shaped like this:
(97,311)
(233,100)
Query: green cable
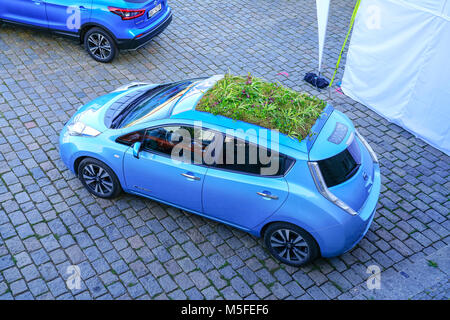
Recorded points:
(345,41)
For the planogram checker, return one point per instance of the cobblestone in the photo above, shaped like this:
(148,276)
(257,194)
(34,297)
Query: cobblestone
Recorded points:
(136,248)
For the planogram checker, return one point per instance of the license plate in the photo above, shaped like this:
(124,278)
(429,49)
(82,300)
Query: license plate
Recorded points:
(154,11)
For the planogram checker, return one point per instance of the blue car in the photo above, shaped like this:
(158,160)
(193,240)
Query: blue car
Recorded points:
(319,201)
(105,27)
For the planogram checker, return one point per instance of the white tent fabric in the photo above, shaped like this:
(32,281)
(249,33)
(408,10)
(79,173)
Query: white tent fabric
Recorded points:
(398,65)
(323,7)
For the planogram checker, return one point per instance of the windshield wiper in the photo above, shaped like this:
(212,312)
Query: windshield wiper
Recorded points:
(118,119)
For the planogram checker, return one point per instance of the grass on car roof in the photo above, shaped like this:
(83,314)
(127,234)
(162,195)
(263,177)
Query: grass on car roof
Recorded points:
(262,103)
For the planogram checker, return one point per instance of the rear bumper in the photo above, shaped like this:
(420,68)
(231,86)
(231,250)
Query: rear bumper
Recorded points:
(143,39)
(341,238)
(356,230)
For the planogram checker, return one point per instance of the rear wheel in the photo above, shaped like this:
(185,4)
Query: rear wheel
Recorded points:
(98,179)
(100,45)
(290,244)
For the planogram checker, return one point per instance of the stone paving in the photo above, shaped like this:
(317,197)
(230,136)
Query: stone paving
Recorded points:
(136,248)
(439,291)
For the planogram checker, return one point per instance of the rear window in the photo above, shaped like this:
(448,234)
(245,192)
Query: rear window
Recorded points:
(340,168)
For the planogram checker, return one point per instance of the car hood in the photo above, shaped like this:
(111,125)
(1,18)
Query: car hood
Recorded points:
(90,113)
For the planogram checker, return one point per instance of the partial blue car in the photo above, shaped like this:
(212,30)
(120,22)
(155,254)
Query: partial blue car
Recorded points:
(319,201)
(105,27)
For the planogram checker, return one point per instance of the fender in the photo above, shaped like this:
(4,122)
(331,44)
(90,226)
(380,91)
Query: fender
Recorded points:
(329,239)
(116,164)
(88,25)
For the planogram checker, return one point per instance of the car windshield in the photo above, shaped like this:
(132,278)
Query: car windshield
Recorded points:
(150,102)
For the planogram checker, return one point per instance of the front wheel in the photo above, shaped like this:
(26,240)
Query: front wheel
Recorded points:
(100,45)
(290,244)
(99,179)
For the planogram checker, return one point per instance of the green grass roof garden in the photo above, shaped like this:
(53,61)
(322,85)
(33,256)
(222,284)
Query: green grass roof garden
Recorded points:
(262,103)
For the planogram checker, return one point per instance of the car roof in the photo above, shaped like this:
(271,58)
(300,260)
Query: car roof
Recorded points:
(241,129)
(184,109)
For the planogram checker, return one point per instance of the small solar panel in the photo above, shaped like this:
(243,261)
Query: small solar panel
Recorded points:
(339,133)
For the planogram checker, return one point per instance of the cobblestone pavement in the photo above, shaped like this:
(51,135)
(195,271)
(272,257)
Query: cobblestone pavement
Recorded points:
(137,248)
(439,291)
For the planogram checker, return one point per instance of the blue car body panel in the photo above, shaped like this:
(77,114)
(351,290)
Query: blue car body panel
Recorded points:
(61,16)
(157,176)
(318,126)
(24,12)
(322,148)
(231,197)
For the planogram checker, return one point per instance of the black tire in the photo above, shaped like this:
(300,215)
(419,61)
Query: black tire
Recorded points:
(99,179)
(299,249)
(100,45)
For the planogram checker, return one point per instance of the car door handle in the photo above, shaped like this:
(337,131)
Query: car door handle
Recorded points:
(83,8)
(190,176)
(267,195)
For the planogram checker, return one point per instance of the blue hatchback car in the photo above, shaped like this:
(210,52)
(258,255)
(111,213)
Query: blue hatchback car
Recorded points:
(105,27)
(319,201)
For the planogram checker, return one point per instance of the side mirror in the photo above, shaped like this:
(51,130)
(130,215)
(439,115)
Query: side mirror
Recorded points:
(136,149)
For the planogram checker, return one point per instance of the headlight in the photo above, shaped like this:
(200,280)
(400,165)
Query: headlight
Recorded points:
(80,129)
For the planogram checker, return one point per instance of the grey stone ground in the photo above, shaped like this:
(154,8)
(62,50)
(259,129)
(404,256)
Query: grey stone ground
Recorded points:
(136,248)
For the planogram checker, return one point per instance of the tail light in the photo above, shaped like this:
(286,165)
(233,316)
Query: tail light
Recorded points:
(323,189)
(369,148)
(127,14)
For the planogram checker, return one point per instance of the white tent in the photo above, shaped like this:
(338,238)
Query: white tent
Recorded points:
(398,64)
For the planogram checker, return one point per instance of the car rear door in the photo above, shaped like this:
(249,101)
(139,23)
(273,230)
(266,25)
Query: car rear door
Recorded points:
(30,12)
(236,193)
(68,15)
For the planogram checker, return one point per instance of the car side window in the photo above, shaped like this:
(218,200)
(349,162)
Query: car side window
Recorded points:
(163,139)
(131,138)
(244,157)
(180,142)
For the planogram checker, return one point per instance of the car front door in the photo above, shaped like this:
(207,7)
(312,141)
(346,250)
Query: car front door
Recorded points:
(68,15)
(31,12)
(236,193)
(158,175)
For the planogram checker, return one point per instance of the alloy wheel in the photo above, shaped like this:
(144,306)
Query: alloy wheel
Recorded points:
(99,46)
(289,245)
(98,179)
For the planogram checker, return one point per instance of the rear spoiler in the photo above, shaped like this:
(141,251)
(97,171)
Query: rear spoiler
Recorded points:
(317,127)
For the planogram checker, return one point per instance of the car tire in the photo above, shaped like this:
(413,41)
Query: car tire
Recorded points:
(290,244)
(99,179)
(100,45)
